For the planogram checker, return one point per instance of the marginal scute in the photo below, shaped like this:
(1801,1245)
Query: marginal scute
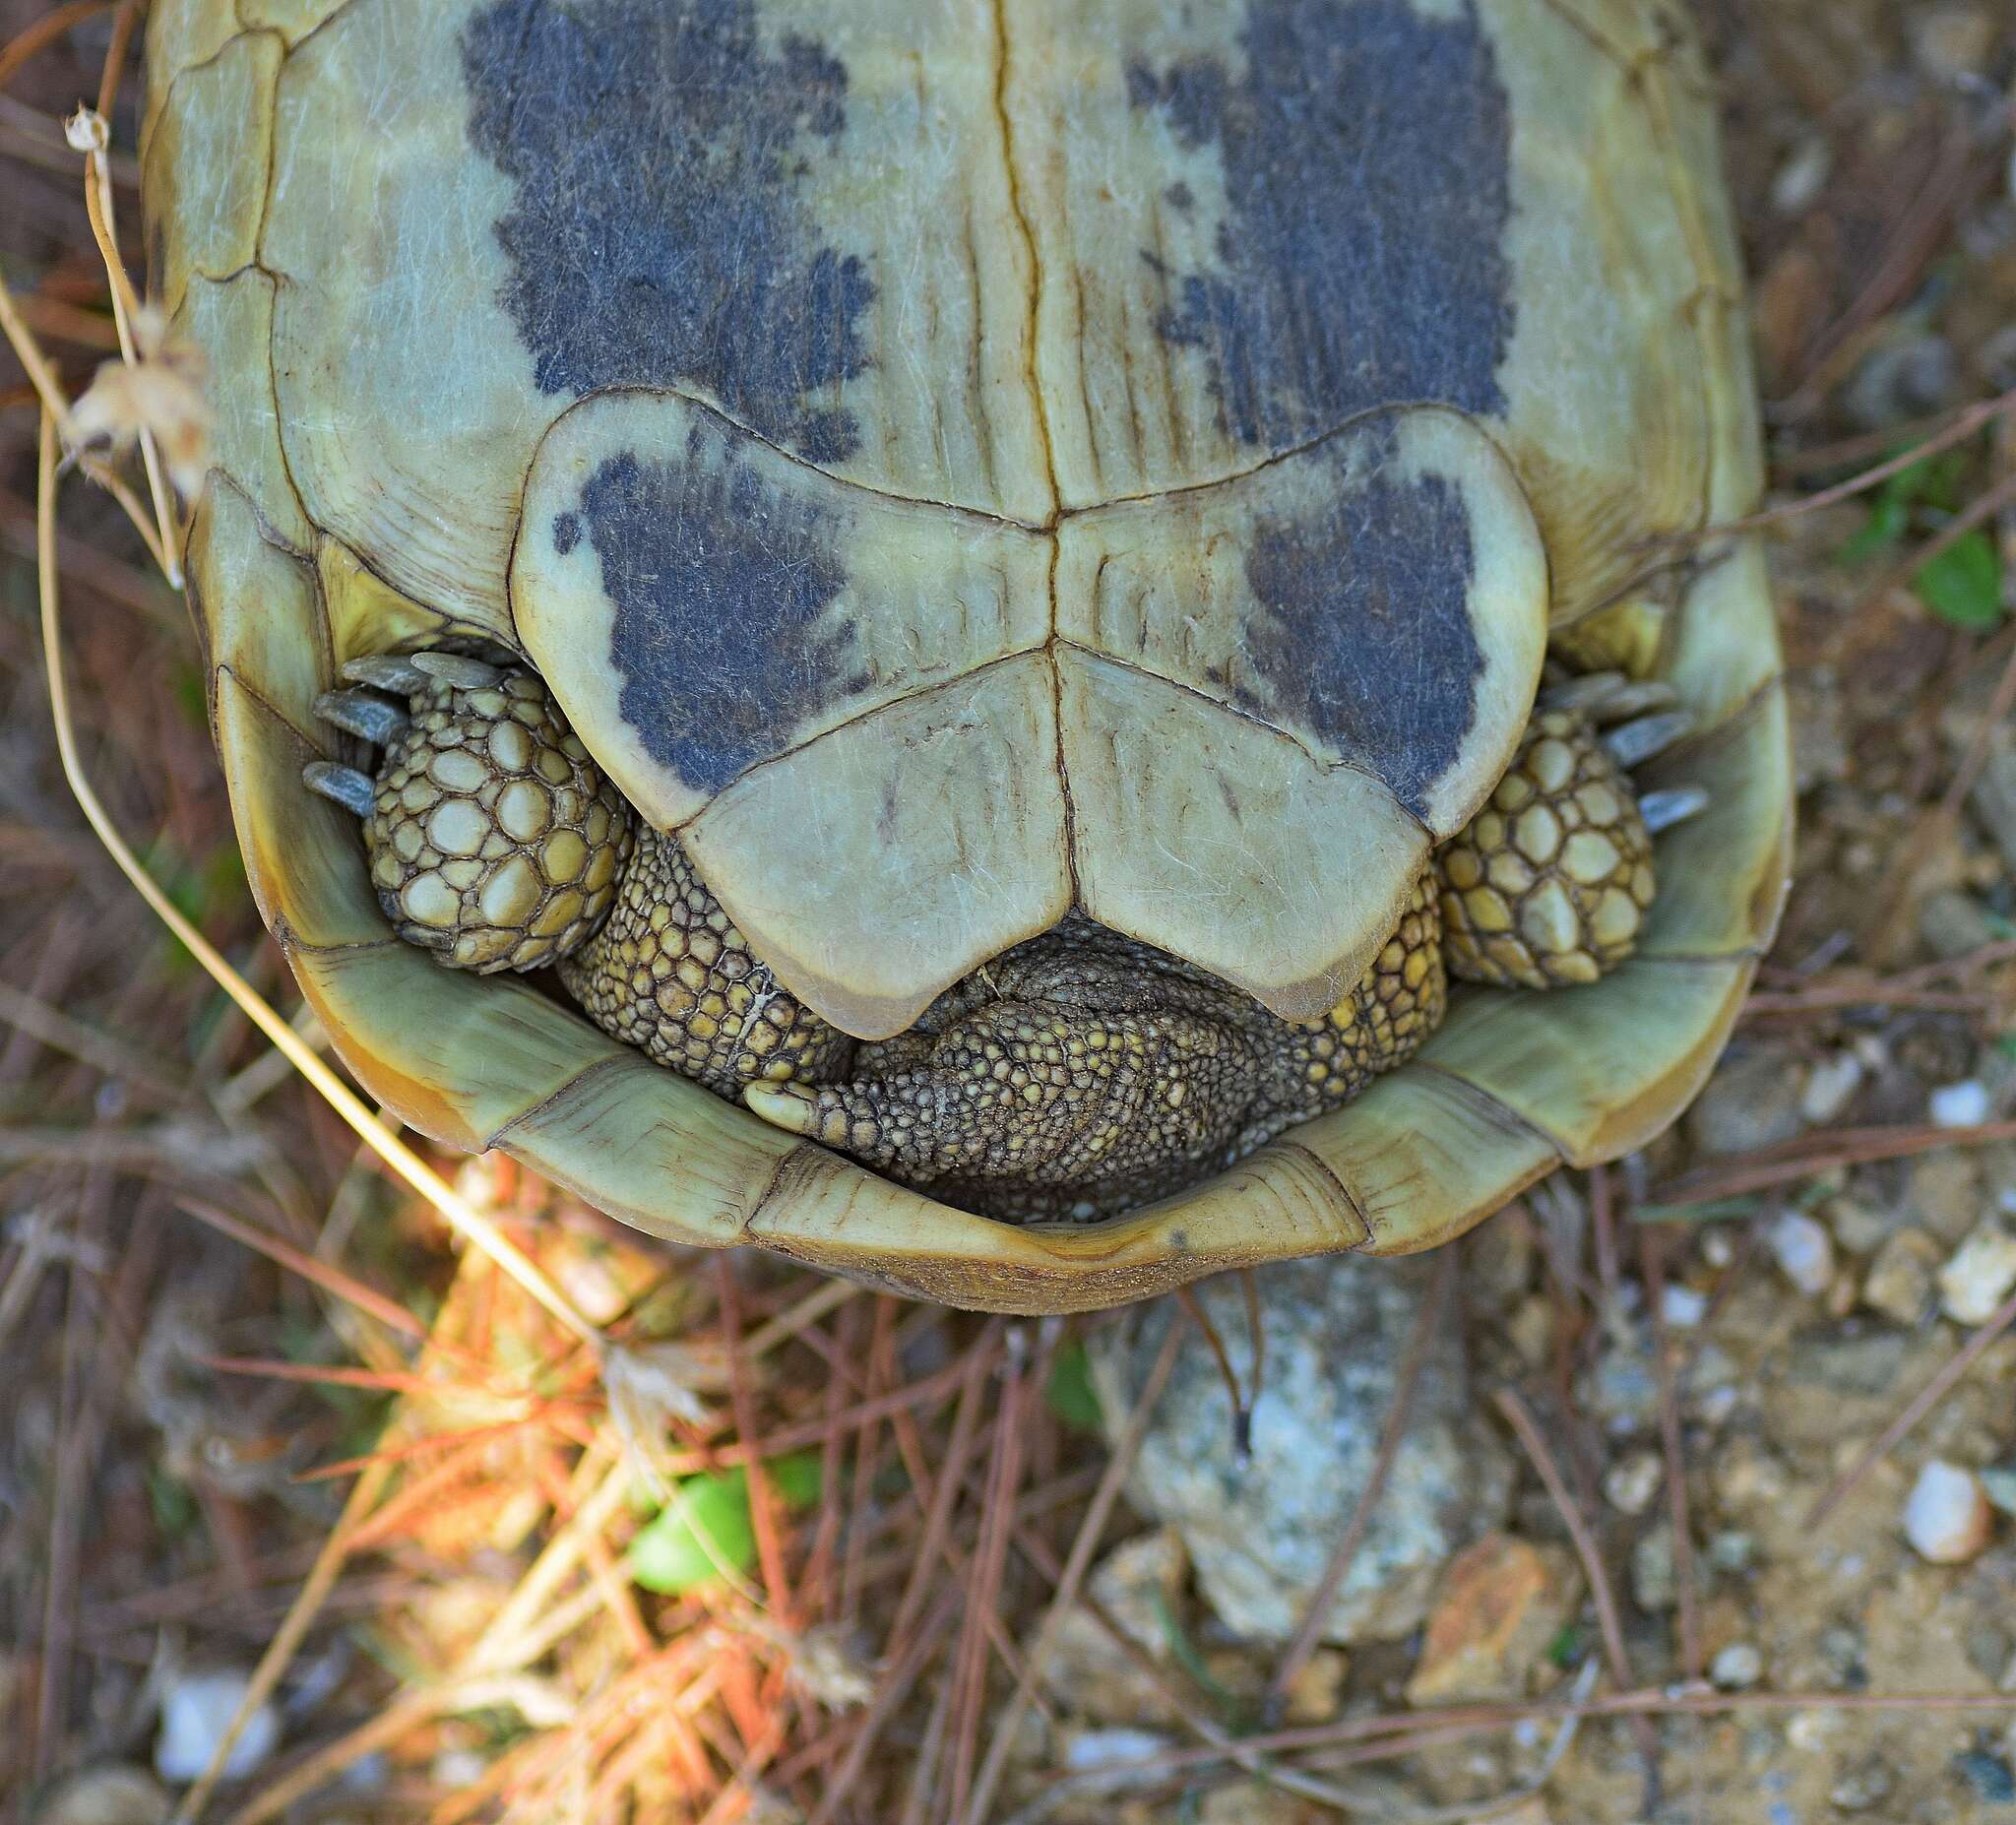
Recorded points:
(212,157)
(300,851)
(1598,1070)
(259,610)
(1723,874)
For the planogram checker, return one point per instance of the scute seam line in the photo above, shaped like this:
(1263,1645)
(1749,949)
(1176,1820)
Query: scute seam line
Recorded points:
(613,1058)
(1325,1171)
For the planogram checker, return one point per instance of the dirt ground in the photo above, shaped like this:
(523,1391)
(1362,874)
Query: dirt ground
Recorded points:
(250,1380)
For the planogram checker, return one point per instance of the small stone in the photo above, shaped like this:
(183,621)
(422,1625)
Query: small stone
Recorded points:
(1316,1694)
(109,1796)
(1946,1517)
(1751,1102)
(1731,1550)
(1500,1604)
(1999,1486)
(1965,1104)
(1858,1226)
(1803,1250)
(1103,1756)
(1139,1585)
(1531,1328)
(1630,1485)
(1945,1194)
(1903,378)
(1980,1274)
(1738,1665)
(1899,1283)
(1682,1308)
(1830,1086)
(1247,1803)
(1954,923)
(1803,176)
(196,1709)
(1990,1777)
(1655,1578)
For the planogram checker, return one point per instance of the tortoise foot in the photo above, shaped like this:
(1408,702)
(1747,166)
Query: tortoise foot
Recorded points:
(1549,884)
(494,842)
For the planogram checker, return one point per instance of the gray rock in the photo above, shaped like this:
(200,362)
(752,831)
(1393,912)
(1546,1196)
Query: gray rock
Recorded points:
(1753,1100)
(1260,1530)
(1953,923)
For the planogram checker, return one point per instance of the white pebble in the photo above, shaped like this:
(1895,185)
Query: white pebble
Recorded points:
(1738,1665)
(1631,1483)
(1828,1085)
(196,1709)
(1682,1308)
(1804,1251)
(1978,1275)
(1946,1516)
(1964,1104)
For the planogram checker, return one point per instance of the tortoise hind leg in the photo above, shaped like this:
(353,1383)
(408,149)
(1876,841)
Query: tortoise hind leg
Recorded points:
(494,842)
(669,973)
(1548,885)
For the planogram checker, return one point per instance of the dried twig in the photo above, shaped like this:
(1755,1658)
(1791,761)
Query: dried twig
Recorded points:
(1090,1532)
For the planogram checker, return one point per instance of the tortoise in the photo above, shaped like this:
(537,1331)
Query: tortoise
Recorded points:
(1005,594)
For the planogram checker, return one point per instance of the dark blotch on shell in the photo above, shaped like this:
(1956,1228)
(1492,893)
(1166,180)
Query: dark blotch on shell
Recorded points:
(1366,638)
(656,239)
(718,582)
(1365,150)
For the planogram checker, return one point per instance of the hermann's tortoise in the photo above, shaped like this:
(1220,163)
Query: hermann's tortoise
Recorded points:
(1007,590)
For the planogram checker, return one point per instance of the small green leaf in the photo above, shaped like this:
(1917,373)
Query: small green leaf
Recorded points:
(1963,585)
(1713,1210)
(707,1529)
(795,1478)
(174,1507)
(1566,1647)
(1889,516)
(1069,1393)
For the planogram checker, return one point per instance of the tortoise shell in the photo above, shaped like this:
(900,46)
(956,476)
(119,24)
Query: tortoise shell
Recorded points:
(955,465)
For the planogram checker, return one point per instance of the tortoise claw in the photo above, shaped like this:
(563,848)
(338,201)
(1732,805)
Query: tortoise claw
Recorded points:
(1663,810)
(1609,697)
(458,670)
(1632,743)
(387,672)
(358,713)
(348,786)
(1581,691)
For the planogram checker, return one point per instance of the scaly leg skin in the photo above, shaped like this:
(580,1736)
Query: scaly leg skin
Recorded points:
(494,841)
(1548,885)
(1082,1074)
(669,973)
